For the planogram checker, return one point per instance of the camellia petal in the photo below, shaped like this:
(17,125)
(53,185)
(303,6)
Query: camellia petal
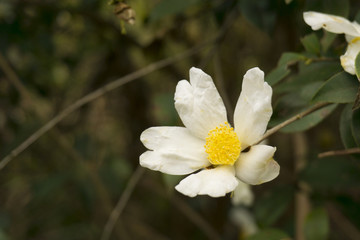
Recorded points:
(348,59)
(257,165)
(175,150)
(331,23)
(215,182)
(199,104)
(253,109)
(242,194)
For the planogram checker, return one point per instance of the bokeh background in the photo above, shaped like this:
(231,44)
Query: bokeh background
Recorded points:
(68,182)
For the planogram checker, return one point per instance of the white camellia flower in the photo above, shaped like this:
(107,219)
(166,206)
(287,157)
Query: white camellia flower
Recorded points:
(220,155)
(336,24)
(242,195)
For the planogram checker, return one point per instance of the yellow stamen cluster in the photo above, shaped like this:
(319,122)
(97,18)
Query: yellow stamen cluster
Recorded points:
(355,40)
(222,145)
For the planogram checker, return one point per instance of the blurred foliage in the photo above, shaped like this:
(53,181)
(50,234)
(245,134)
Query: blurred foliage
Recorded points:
(66,184)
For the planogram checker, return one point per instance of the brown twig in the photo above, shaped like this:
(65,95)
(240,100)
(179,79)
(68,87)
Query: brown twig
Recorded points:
(302,203)
(291,120)
(115,214)
(96,94)
(183,207)
(13,78)
(339,152)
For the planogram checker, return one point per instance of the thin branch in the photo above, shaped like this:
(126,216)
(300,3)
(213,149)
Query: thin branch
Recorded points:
(302,203)
(115,214)
(13,78)
(196,218)
(183,207)
(98,93)
(339,152)
(290,120)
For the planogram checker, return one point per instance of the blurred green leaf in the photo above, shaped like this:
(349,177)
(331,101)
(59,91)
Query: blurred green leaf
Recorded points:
(327,40)
(311,43)
(357,100)
(331,173)
(357,17)
(340,8)
(357,65)
(340,88)
(170,7)
(269,234)
(350,208)
(346,133)
(44,188)
(355,126)
(310,120)
(3,235)
(270,206)
(250,9)
(317,225)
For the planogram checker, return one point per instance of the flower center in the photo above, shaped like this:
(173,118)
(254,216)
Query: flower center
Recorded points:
(222,145)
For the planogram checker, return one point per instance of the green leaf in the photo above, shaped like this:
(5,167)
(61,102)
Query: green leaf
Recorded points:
(317,225)
(269,234)
(309,73)
(290,58)
(327,40)
(357,100)
(331,173)
(311,43)
(357,65)
(270,206)
(341,88)
(282,70)
(277,75)
(355,126)
(310,120)
(346,133)
(309,90)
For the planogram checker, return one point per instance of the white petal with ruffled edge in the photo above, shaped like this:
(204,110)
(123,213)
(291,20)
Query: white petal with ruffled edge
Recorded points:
(257,165)
(253,109)
(199,104)
(175,150)
(242,194)
(216,182)
(331,23)
(348,59)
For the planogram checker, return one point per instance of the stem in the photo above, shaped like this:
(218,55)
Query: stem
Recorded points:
(115,214)
(302,203)
(13,78)
(339,152)
(290,120)
(185,209)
